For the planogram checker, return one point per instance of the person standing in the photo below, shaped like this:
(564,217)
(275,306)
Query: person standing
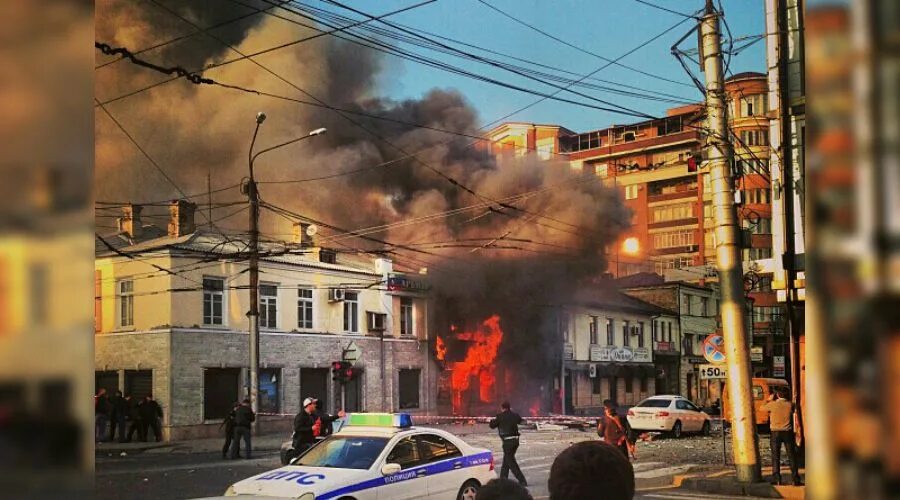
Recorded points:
(119,413)
(151,413)
(243,419)
(507,425)
(228,423)
(304,423)
(781,427)
(611,429)
(134,417)
(102,410)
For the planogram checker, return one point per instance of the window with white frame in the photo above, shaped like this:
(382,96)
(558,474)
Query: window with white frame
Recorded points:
(593,329)
(704,304)
(351,312)
(610,331)
(686,304)
(626,333)
(640,334)
(126,302)
(268,306)
(305,308)
(676,211)
(213,301)
(406,316)
(762,225)
(631,192)
(673,239)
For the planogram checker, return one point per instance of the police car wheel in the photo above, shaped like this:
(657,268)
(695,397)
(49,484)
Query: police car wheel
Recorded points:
(468,491)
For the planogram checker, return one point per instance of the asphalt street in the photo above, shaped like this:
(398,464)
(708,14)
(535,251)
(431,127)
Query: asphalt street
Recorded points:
(173,474)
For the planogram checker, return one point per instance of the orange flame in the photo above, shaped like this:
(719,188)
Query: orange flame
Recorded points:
(535,408)
(479,362)
(440,349)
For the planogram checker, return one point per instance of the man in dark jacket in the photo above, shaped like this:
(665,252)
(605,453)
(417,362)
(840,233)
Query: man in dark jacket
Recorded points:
(507,424)
(119,413)
(304,436)
(151,413)
(102,411)
(228,423)
(243,420)
(134,416)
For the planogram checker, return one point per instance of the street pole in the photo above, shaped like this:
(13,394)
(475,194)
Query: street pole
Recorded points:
(728,254)
(253,315)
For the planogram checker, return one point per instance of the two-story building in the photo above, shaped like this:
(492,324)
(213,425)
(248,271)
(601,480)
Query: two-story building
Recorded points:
(171,319)
(696,308)
(608,349)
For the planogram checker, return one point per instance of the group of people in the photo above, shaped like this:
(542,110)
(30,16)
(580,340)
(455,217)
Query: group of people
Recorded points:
(310,424)
(125,416)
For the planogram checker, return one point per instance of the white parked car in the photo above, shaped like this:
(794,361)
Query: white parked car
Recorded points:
(377,456)
(673,414)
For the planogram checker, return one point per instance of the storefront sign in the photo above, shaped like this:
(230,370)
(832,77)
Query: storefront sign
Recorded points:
(712,372)
(404,284)
(756,353)
(778,366)
(620,354)
(568,351)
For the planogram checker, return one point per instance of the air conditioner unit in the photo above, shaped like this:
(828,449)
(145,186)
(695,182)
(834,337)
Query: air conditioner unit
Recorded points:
(335,294)
(376,321)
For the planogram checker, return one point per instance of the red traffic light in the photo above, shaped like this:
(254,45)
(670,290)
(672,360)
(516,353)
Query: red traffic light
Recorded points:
(692,164)
(337,365)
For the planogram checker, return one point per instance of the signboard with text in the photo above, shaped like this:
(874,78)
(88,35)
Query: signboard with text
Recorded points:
(713,372)
(778,366)
(756,353)
(620,354)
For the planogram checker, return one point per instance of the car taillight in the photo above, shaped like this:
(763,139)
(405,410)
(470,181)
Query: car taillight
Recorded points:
(663,414)
(630,413)
(492,462)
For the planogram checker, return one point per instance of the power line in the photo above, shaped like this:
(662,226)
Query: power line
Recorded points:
(571,45)
(660,7)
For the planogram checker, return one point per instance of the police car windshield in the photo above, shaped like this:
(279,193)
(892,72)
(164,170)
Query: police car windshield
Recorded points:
(344,452)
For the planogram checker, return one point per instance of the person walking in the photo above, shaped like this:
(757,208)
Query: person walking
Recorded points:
(151,413)
(507,425)
(228,423)
(243,419)
(135,425)
(611,429)
(781,427)
(102,411)
(118,416)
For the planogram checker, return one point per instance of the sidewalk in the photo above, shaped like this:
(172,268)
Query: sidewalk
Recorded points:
(723,482)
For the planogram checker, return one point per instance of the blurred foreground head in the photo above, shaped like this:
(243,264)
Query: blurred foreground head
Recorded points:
(503,489)
(591,470)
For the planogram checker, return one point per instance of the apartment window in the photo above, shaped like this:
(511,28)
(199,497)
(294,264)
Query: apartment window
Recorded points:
(667,213)
(640,334)
(406,316)
(305,308)
(754,138)
(409,389)
(545,151)
(704,304)
(673,239)
(351,312)
(610,331)
(688,343)
(766,314)
(626,331)
(757,253)
(268,306)
(673,186)
(674,263)
(670,331)
(709,238)
(653,330)
(763,284)
(126,302)
(631,192)
(601,170)
(759,196)
(686,304)
(213,301)
(593,330)
(762,225)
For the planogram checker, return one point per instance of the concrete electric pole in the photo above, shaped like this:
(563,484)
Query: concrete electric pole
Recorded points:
(728,253)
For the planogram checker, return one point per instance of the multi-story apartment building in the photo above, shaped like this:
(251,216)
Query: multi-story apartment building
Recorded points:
(609,349)
(171,320)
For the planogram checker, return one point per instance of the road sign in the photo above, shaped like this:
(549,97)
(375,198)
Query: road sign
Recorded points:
(778,366)
(352,352)
(756,353)
(712,372)
(714,349)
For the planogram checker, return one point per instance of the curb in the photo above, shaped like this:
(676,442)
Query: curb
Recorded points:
(720,483)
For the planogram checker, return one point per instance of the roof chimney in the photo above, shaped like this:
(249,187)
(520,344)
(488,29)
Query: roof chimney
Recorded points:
(181,218)
(130,222)
(303,234)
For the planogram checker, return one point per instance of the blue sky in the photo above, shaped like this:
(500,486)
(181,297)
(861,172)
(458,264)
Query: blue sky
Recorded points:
(606,27)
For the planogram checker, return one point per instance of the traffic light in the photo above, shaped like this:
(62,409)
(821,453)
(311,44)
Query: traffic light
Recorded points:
(343,371)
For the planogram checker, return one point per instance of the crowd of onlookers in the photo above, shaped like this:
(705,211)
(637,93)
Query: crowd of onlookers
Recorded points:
(119,418)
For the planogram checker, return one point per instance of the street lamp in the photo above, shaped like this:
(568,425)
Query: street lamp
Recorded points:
(253,314)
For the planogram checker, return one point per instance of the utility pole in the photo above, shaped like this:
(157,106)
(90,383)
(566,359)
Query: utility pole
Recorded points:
(253,315)
(728,253)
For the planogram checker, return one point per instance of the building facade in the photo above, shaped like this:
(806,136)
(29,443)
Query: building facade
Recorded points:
(609,350)
(170,319)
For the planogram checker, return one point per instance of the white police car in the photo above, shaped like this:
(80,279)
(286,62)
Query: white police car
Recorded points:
(378,456)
